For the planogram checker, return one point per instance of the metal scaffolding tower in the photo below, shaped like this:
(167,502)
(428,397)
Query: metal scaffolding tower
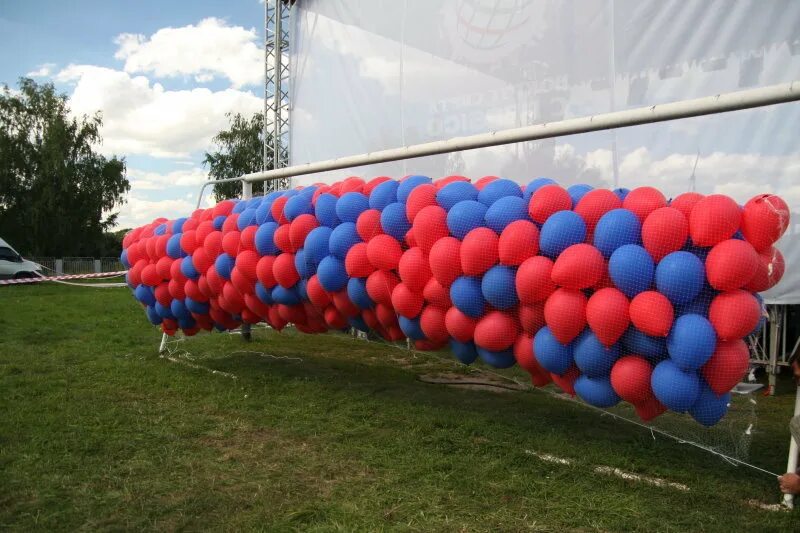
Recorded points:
(276,90)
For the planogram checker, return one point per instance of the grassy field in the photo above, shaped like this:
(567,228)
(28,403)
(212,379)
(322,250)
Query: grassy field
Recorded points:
(321,433)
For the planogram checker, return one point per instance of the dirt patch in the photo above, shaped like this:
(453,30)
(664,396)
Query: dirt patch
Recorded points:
(478,381)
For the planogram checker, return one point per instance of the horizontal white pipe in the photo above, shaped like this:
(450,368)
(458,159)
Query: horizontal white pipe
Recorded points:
(709,105)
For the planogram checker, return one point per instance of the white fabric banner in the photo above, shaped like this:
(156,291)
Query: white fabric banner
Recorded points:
(376,74)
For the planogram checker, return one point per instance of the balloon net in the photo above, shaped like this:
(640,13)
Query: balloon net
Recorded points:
(625,299)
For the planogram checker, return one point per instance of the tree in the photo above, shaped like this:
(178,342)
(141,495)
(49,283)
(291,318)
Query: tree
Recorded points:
(56,193)
(239,151)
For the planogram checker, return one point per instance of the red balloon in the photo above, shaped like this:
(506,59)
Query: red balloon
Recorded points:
(578,267)
(374,182)
(484,181)
(649,409)
(685,202)
(233,298)
(531,317)
(548,200)
(282,239)
(343,303)
(368,224)
(264,271)
(203,230)
(192,223)
(523,353)
(150,275)
(380,285)
(413,269)
(189,241)
(275,318)
(652,313)
(594,205)
(429,226)
(135,272)
(162,294)
(395,334)
(215,282)
(223,208)
(230,243)
(608,315)
(175,272)
(496,331)
(565,314)
(293,313)
(437,295)
(384,252)
(731,264)
(246,262)
(334,318)
(300,228)
(256,306)
(769,271)
(421,197)
(352,184)
(409,238)
(432,323)
(242,283)
(630,379)
(445,260)
(161,246)
(227,226)
(533,281)
(277,210)
(460,326)
(318,296)
(386,315)
(764,219)
(357,263)
(370,318)
(567,381)
(714,219)
(150,248)
(727,366)
(664,231)
(192,289)
(734,314)
(284,270)
(213,244)
(247,238)
(406,302)
(518,242)
(479,251)
(163,265)
(644,200)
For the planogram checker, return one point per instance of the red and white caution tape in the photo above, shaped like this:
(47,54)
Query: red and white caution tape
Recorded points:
(60,278)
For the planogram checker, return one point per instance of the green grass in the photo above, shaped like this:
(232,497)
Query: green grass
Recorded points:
(98,432)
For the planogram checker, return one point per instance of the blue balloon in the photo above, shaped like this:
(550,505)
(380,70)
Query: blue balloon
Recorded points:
(700,304)
(466,352)
(494,190)
(223,265)
(680,276)
(411,328)
(409,184)
(177,225)
(676,389)
(254,202)
(194,306)
(691,342)
(179,309)
(350,205)
(264,239)
(394,221)
(264,294)
(596,391)
(219,221)
(560,231)
(187,268)
(161,229)
(317,243)
(763,319)
(631,269)
(264,211)
(174,249)
(152,315)
(455,192)
(504,359)
(304,266)
(302,289)
(145,294)
(498,287)
(617,228)
(383,195)
(465,293)
(285,296)
(123,257)
(592,358)
(343,237)
(332,274)
(128,282)
(505,211)
(239,206)
(186,322)
(709,408)
(298,205)
(551,354)
(621,193)
(308,192)
(358,323)
(325,210)
(357,292)
(164,311)
(654,349)
(700,251)
(576,192)
(464,217)
(535,185)
(246,218)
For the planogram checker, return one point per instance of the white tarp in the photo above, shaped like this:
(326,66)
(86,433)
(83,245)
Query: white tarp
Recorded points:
(377,74)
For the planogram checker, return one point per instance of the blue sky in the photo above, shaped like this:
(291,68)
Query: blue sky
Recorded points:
(163,73)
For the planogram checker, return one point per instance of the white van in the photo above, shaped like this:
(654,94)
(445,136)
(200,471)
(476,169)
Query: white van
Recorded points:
(12,265)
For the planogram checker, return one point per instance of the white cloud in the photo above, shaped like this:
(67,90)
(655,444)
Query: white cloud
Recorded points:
(138,211)
(42,71)
(210,48)
(142,180)
(140,118)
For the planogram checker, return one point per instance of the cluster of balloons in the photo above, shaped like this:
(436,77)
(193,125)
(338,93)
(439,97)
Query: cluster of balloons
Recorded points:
(613,295)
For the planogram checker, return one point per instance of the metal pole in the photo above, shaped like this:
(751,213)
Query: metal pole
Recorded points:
(276,133)
(791,464)
(774,329)
(247,193)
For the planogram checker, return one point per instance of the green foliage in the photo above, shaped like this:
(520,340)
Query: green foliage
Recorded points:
(299,432)
(239,151)
(57,194)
